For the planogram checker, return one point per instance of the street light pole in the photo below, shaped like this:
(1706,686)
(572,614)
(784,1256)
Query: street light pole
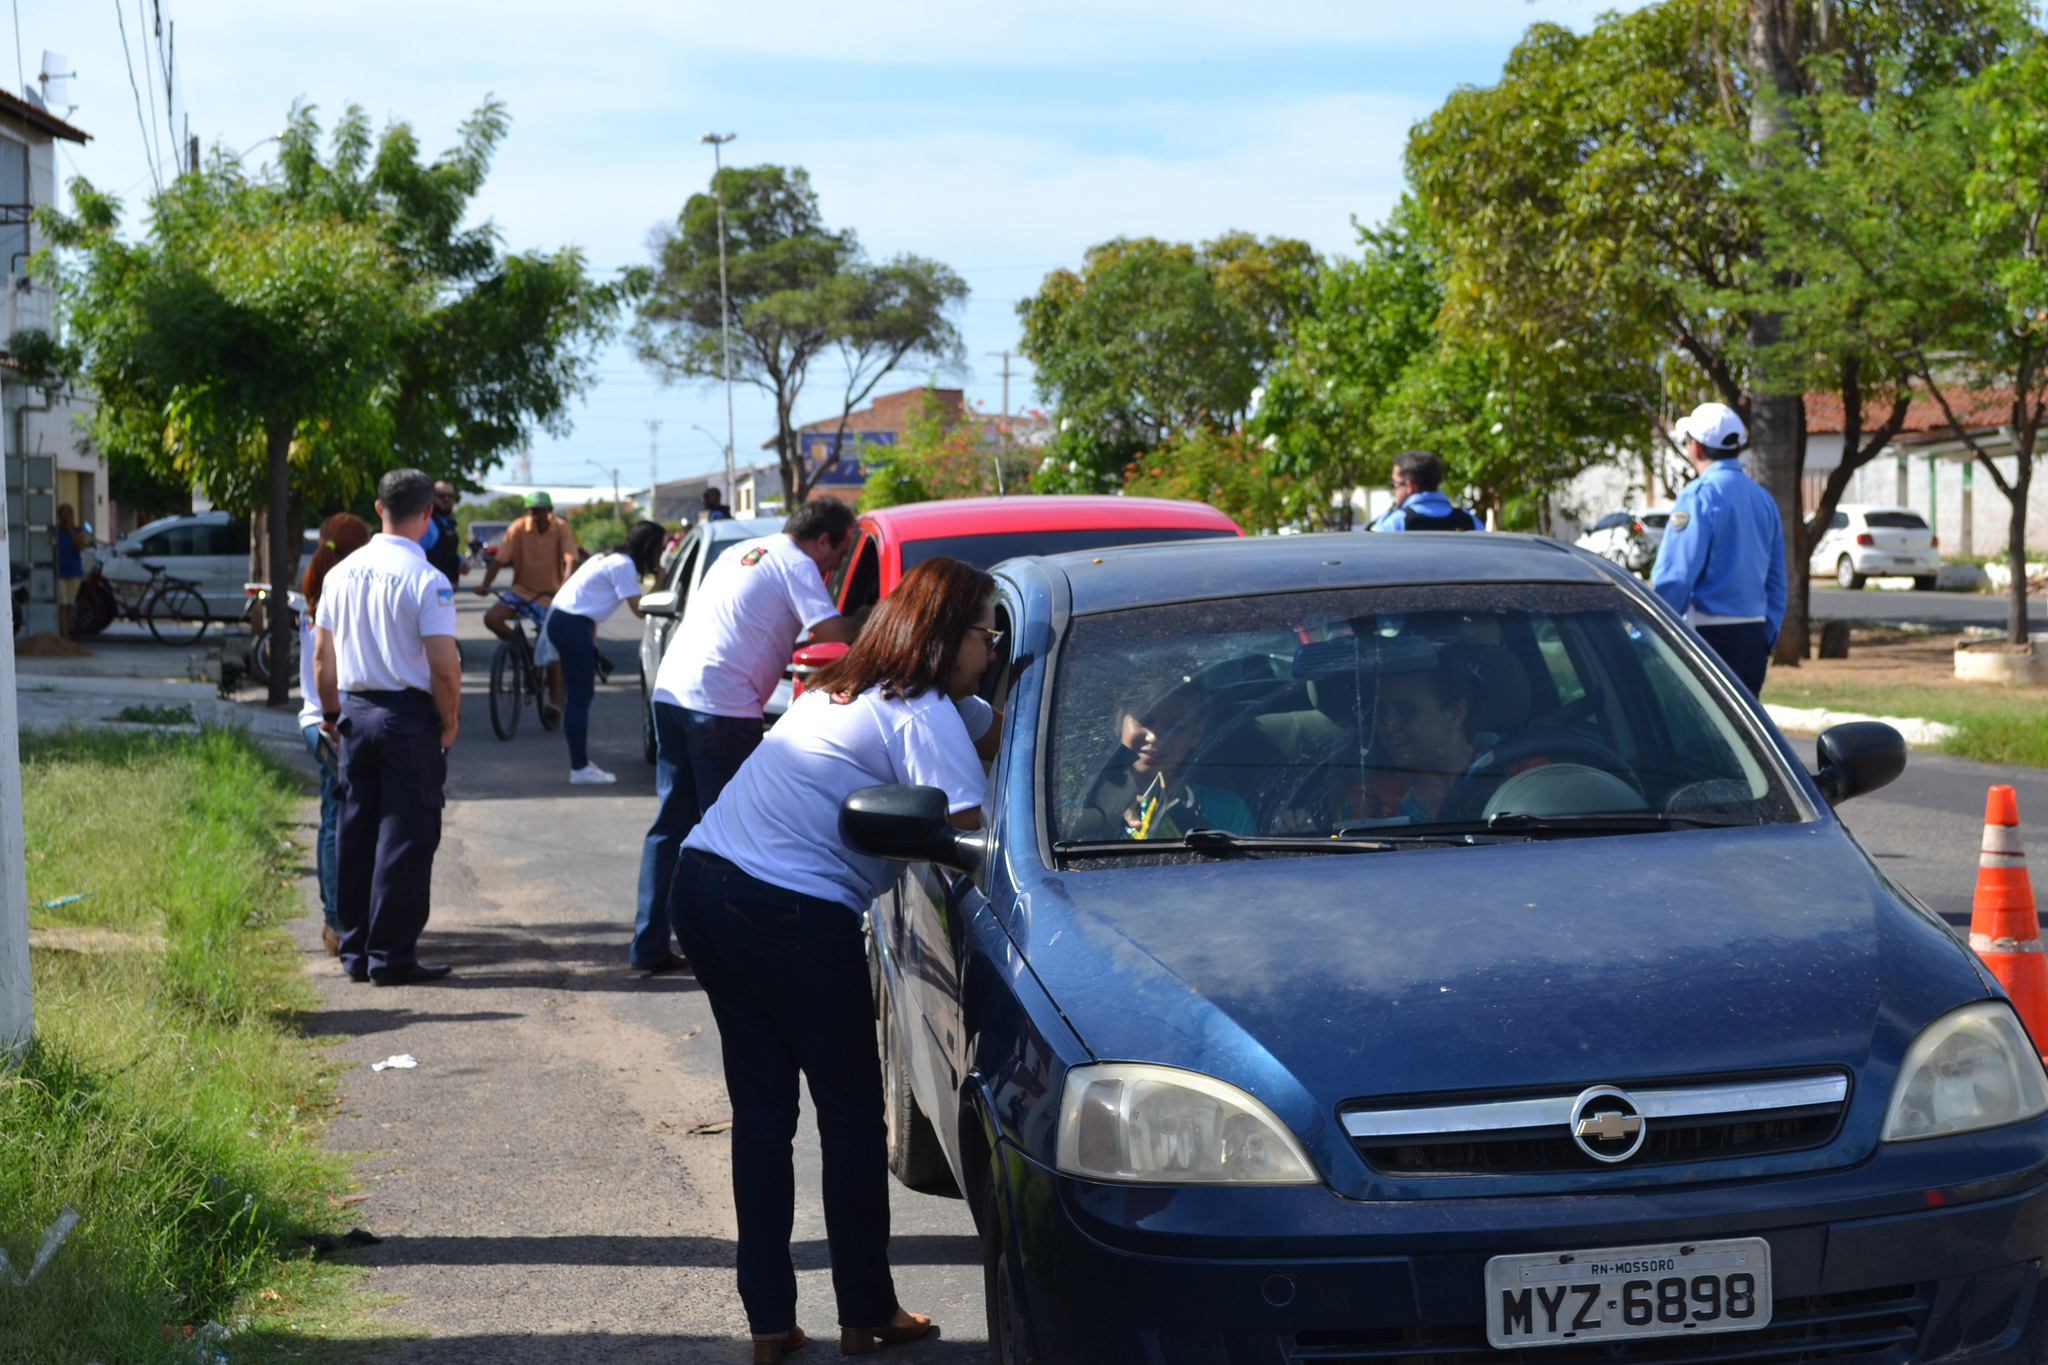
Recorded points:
(618,503)
(653,471)
(718,141)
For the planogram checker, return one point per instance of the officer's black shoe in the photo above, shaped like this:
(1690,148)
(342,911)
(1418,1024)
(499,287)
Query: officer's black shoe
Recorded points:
(674,962)
(360,978)
(412,975)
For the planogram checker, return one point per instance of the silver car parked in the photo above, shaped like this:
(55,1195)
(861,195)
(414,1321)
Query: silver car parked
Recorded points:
(680,576)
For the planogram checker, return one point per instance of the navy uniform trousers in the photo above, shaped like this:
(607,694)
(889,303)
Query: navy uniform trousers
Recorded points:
(392,772)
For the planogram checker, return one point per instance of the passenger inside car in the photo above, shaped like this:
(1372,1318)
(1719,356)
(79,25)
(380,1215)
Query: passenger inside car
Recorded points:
(1146,791)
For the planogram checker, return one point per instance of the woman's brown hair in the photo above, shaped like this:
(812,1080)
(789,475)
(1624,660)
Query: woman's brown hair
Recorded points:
(908,646)
(341,535)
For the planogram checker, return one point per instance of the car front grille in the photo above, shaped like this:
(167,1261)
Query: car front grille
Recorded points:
(1870,1327)
(1690,1124)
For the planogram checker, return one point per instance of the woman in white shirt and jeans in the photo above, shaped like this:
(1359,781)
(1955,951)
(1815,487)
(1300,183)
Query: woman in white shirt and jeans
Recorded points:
(590,596)
(768,902)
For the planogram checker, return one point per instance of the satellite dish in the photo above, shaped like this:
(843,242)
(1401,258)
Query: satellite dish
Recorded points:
(56,77)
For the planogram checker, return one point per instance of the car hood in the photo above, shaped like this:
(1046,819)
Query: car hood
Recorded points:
(1564,963)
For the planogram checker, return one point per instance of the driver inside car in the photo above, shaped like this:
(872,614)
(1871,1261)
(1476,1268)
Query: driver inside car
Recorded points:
(1147,792)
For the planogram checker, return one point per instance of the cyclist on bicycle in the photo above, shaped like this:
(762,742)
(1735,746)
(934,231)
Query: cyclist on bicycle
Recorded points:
(542,551)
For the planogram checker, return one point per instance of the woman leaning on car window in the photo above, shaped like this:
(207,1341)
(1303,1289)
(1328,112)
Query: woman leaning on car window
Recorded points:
(768,901)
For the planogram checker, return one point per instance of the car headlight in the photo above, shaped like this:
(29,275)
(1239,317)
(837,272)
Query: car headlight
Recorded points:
(1972,1068)
(1161,1125)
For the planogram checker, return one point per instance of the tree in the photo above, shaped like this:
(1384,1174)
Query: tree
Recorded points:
(942,454)
(795,290)
(1226,469)
(281,340)
(2000,340)
(1321,416)
(1151,340)
(887,314)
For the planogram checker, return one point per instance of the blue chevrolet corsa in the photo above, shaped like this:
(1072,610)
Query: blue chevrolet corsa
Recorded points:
(1418,948)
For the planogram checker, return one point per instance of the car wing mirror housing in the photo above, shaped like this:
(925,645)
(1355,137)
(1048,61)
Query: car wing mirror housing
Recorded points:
(1857,758)
(661,603)
(909,824)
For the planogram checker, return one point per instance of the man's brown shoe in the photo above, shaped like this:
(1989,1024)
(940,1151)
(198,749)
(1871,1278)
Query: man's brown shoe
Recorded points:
(331,940)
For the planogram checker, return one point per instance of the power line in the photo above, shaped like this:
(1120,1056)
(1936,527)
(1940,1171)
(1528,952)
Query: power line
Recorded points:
(128,59)
(156,147)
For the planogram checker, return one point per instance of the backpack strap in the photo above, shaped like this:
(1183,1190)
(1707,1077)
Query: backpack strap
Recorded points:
(1458,519)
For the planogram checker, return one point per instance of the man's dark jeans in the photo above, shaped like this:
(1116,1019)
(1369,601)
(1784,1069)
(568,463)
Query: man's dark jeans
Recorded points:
(1745,648)
(393,776)
(695,755)
(788,980)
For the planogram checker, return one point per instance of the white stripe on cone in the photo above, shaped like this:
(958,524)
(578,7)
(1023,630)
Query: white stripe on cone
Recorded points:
(1984,943)
(2002,839)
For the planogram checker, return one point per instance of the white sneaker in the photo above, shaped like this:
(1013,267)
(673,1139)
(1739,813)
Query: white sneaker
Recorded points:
(589,775)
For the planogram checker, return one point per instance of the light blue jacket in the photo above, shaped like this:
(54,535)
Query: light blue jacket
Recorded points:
(1430,504)
(1723,552)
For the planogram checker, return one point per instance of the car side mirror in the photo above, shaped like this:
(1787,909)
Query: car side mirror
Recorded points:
(909,825)
(1857,758)
(658,603)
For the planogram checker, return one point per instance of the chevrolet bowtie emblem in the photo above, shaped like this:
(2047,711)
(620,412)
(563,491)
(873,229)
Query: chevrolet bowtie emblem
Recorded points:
(1610,1127)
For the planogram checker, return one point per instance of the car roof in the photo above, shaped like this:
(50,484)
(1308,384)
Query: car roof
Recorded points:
(1189,571)
(1044,512)
(747,528)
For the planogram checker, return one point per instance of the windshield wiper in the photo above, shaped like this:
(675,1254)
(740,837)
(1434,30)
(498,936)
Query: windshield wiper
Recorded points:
(1220,841)
(1609,822)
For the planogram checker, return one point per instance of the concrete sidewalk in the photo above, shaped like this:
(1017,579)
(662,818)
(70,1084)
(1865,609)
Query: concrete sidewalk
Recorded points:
(122,672)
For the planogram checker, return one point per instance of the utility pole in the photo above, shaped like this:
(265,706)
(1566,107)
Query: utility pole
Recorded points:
(1006,378)
(618,503)
(718,141)
(17,1015)
(1003,431)
(653,472)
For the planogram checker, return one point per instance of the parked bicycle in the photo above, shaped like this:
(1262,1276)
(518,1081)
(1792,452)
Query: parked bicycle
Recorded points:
(172,608)
(256,615)
(515,678)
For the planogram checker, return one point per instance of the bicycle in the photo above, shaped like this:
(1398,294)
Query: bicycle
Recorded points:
(170,607)
(255,615)
(514,675)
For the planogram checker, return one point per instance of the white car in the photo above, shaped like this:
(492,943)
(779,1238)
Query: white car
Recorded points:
(207,549)
(1865,542)
(1628,537)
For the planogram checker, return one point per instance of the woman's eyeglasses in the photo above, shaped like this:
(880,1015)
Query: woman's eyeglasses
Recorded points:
(995,637)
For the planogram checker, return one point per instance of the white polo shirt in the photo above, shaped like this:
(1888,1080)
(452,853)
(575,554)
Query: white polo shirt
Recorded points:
(736,633)
(380,604)
(595,590)
(778,819)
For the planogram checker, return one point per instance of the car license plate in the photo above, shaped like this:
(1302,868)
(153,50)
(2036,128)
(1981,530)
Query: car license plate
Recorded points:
(1620,1293)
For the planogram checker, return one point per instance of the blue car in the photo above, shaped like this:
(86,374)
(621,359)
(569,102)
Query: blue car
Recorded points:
(1421,949)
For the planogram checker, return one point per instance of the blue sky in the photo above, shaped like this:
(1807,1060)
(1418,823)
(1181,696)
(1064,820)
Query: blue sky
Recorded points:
(1002,140)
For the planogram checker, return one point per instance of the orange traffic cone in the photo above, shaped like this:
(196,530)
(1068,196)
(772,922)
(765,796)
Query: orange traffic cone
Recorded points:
(2004,930)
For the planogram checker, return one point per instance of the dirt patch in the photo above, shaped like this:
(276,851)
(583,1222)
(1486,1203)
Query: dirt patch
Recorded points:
(44,645)
(1882,656)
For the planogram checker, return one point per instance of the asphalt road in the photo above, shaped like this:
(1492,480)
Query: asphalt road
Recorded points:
(1942,610)
(540,1195)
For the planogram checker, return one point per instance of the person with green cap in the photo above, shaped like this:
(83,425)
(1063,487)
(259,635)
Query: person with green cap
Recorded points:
(542,552)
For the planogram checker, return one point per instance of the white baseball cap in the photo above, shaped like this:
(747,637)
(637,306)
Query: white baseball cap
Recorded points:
(1715,426)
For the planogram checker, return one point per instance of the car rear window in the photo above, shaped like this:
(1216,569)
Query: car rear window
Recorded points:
(1656,521)
(1319,713)
(987,551)
(1894,521)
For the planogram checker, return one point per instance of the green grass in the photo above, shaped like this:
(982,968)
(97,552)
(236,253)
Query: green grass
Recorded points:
(169,1096)
(1999,725)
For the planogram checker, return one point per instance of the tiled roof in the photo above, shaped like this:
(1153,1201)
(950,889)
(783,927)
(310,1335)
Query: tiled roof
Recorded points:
(1975,408)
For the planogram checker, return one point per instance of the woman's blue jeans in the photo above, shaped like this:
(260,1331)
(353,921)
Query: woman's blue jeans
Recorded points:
(330,825)
(575,640)
(787,975)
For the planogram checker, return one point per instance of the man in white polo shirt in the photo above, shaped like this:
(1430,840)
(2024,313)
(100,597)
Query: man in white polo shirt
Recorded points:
(715,680)
(390,685)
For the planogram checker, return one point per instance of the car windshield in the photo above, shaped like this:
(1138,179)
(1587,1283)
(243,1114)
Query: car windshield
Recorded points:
(1485,707)
(987,551)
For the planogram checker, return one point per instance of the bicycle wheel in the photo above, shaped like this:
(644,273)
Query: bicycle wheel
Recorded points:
(93,611)
(177,614)
(262,649)
(508,689)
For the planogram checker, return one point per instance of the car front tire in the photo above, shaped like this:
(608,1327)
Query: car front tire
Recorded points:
(1846,575)
(1009,1335)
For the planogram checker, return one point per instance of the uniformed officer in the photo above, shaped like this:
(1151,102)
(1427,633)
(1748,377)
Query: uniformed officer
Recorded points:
(390,686)
(1722,561)
(1418,506)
